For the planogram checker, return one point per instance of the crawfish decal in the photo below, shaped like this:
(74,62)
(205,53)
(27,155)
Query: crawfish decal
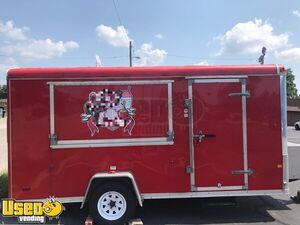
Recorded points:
(109,109)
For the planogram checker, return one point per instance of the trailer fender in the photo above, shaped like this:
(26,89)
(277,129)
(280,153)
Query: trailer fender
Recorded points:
(98,177)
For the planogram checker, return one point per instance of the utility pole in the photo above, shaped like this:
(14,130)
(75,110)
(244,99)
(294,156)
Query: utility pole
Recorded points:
(261,59)
(130,53)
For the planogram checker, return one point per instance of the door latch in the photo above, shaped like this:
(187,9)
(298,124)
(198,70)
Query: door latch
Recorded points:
(200,136)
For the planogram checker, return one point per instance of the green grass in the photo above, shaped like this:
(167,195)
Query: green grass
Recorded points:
(3,185)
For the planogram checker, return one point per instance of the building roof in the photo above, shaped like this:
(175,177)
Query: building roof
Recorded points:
(293,102)
(293,109)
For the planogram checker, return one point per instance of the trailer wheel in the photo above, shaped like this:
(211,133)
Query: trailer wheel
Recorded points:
(112,203)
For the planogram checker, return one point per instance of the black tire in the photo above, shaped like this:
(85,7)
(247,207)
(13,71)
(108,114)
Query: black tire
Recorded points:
(101,193)
(297,127)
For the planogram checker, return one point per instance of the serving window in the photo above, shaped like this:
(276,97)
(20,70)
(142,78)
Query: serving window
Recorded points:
(110,113)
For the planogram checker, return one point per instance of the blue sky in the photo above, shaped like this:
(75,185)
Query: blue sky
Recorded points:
(54,33)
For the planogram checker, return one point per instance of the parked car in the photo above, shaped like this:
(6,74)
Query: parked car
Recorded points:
(297,125)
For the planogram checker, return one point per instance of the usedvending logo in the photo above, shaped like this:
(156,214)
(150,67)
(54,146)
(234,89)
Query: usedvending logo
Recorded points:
(109,109)
(32,211)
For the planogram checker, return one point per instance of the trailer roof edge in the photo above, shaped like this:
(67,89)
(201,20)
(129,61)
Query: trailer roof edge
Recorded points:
(154,71)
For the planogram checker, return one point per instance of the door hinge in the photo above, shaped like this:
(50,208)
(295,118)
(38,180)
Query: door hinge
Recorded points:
(193,188)
(187,102)
(236,172)
(189,169)
(53,139)
(170,136)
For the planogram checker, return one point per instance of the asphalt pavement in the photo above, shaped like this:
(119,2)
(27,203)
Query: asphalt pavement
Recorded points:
(293,135)
(267,210)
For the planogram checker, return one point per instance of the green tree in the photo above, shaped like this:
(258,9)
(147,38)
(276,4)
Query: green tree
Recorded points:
(3,92)
(291,89)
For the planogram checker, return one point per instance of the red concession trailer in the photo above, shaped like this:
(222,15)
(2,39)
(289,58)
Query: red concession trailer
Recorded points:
(111,138)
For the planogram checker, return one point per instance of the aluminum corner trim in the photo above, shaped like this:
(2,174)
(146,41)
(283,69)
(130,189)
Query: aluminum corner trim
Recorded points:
(115,82)
(206,194)
(10,177)
(216,77)
(97,143)
(277,69)
(147,141)
(51,102)
(285,163)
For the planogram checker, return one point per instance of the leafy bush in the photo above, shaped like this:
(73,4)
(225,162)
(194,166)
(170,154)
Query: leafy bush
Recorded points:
(3,185)
(3,91)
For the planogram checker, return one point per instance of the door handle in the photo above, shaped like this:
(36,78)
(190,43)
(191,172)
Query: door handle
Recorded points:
(200,136)
(247,94)
(248,171)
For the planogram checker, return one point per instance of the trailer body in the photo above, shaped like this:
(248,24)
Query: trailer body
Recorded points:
(174,132)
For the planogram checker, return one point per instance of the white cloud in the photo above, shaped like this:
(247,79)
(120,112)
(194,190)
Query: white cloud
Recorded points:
(249,37)
(29,48)
(296,13)
(71,44)
(45,49)
(150,56)
(119,38)
(116,37)
(15,42)
(292,54)
(9,31)
(159,36)
(39,49)
(4,66)
(202,63)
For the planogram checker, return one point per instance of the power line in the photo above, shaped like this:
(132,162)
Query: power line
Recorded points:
(125,33)
(117,13)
